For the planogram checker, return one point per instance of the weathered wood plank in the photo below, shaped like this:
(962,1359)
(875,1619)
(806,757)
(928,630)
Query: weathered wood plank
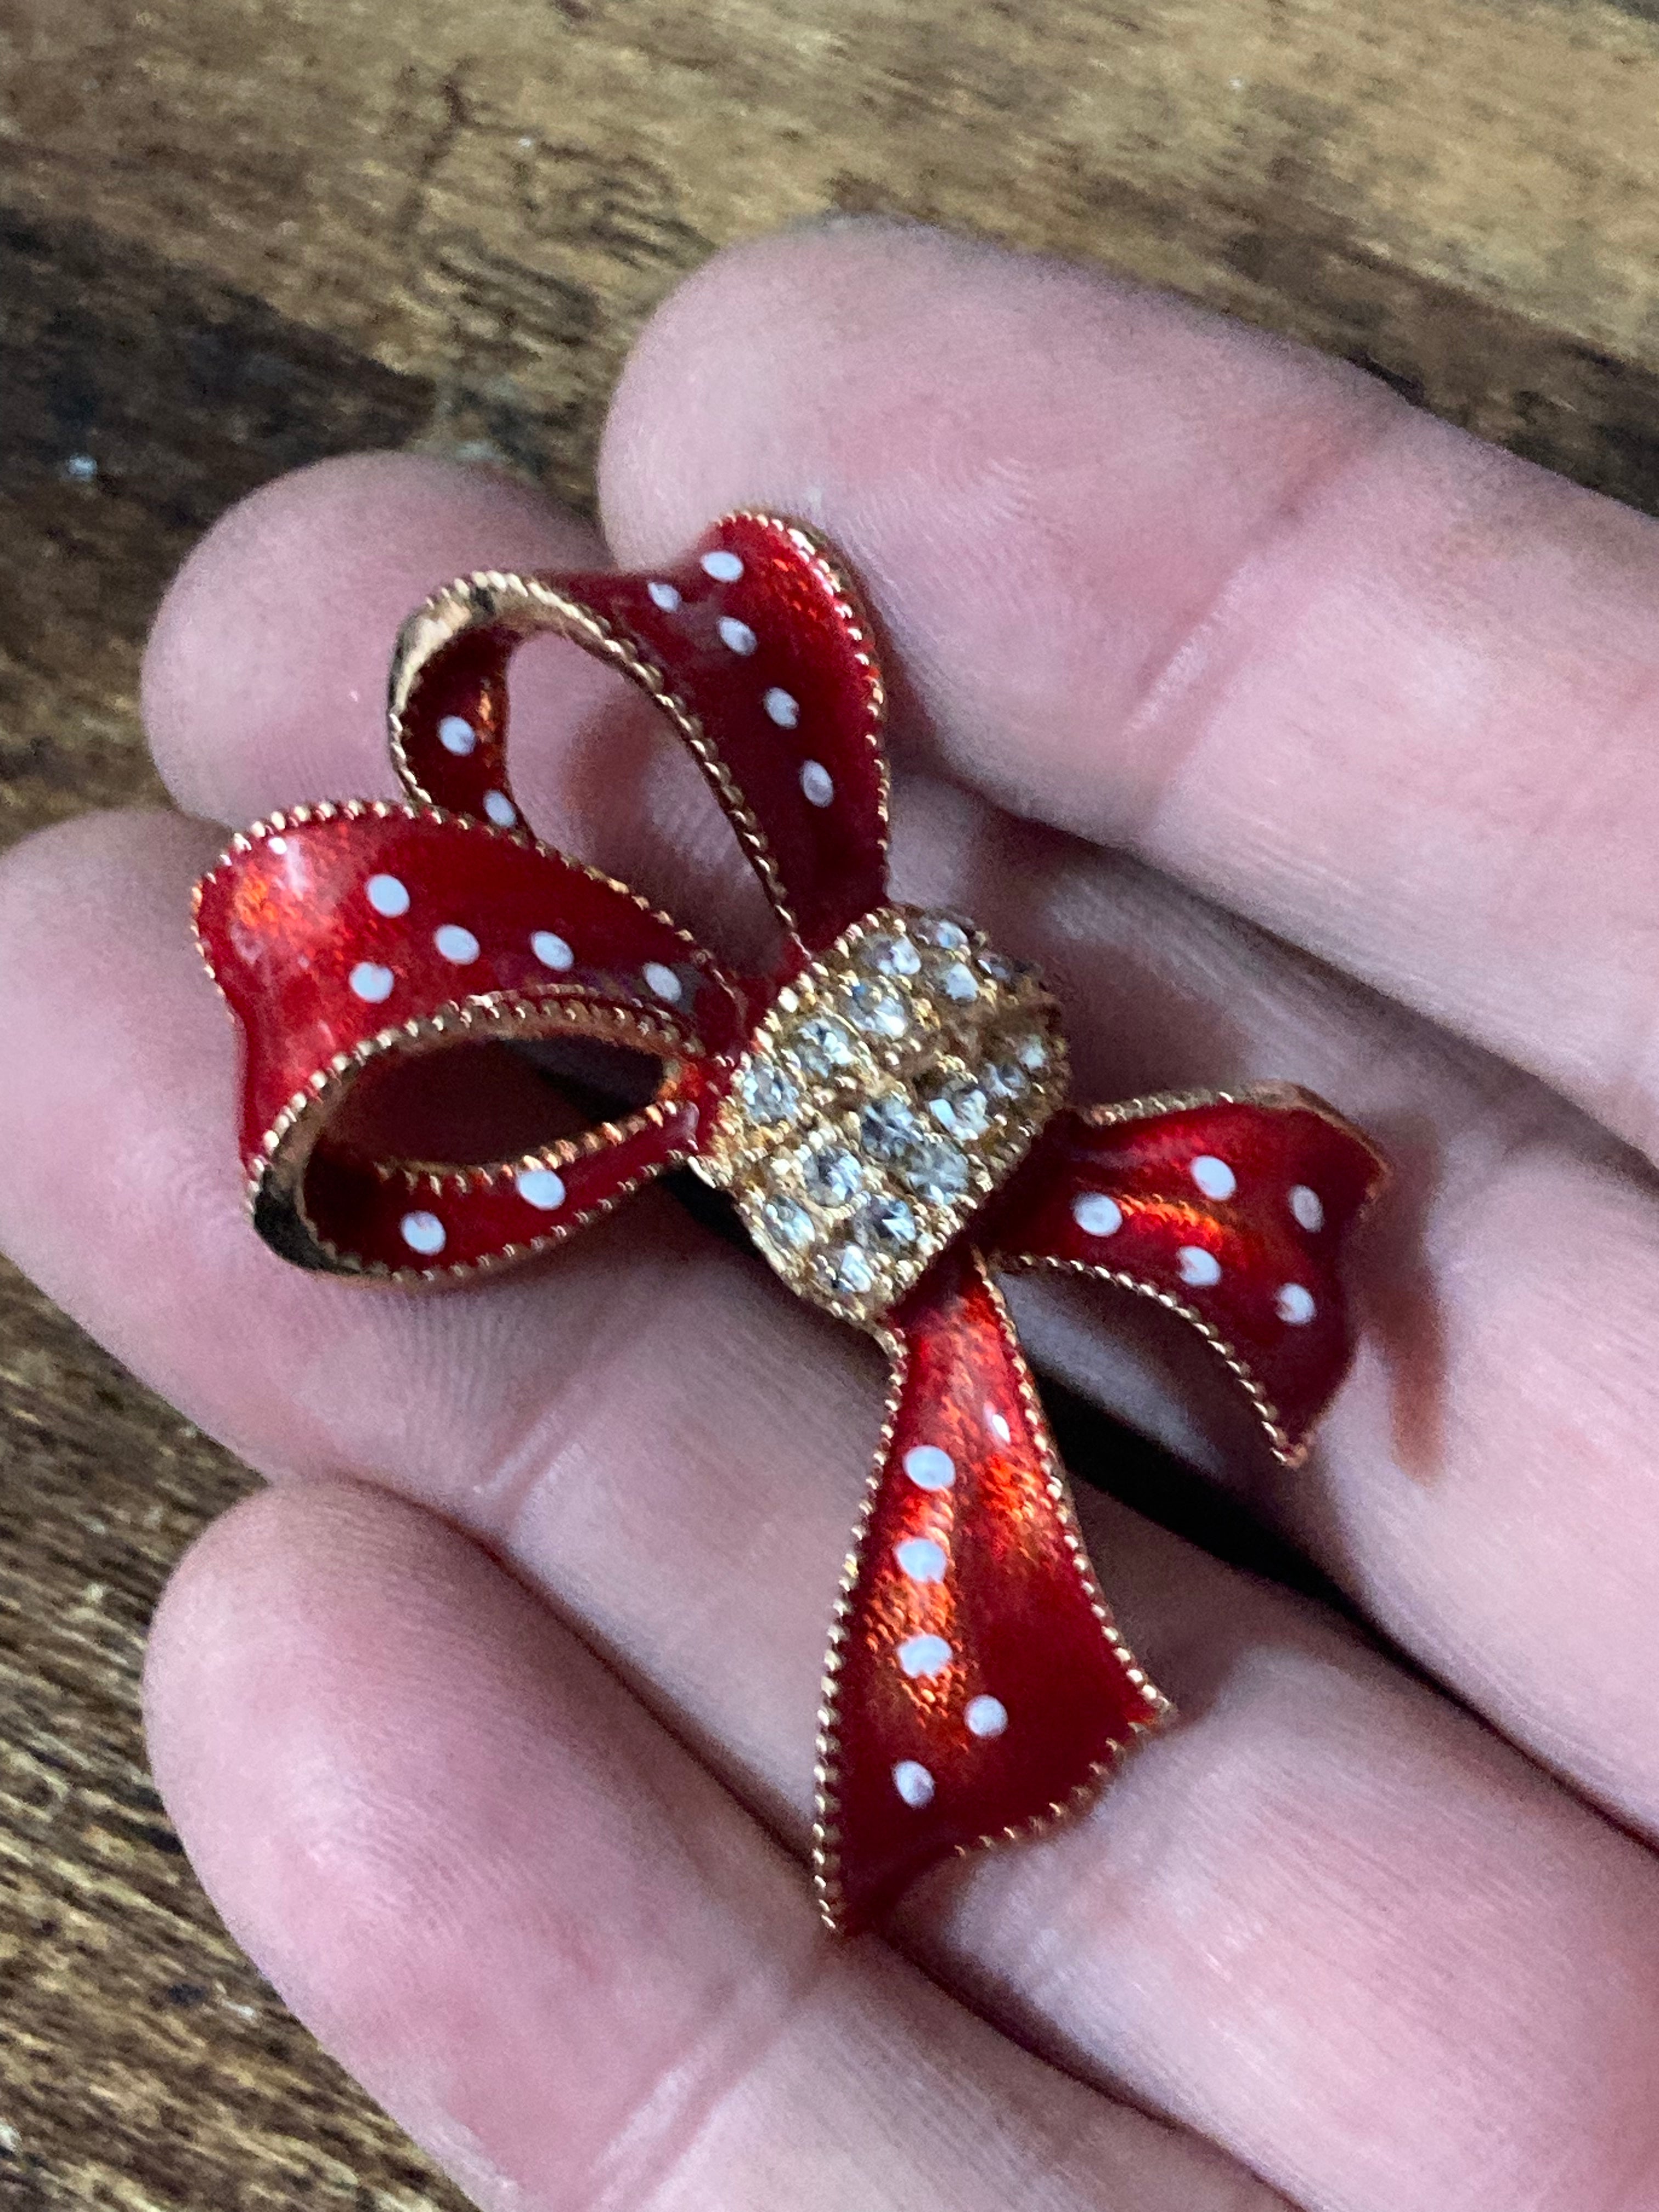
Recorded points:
(142,2061)
(181,395)
(494,196)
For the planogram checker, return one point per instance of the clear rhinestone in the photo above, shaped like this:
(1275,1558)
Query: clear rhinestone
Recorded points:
(788,1222)
(938,929)
(889,956)
(886,1224)
(845,1271)
(889,1126)
(936,1172)
(903,1075)
(877,1010)
(768,1095)
(823,1046)
(831,1175)
(959,1105)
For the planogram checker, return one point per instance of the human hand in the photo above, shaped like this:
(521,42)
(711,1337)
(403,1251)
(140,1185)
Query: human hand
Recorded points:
(491,1737)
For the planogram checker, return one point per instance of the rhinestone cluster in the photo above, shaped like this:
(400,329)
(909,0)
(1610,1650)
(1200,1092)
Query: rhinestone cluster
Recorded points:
(889,1091)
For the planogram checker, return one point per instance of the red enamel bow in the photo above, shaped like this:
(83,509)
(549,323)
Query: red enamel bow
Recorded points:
(887,1110)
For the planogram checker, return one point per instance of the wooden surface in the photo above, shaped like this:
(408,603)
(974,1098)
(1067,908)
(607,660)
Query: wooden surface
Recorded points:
(235,235)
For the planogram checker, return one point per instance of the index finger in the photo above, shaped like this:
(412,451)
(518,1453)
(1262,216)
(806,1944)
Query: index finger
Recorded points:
(1182,587)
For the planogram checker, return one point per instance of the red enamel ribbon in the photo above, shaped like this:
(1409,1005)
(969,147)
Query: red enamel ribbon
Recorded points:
(976,1688)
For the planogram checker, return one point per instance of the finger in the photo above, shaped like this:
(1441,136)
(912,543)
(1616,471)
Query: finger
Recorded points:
(556,1950)
(1179,586)
(673,1454)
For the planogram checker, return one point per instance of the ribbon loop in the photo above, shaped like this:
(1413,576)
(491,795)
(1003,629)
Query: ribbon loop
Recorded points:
(757,651)
(347,937)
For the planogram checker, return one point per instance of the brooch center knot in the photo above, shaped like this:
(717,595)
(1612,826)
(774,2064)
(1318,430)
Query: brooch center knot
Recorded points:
(892,1087)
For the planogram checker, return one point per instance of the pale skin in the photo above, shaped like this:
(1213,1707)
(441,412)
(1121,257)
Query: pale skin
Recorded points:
(1298,736)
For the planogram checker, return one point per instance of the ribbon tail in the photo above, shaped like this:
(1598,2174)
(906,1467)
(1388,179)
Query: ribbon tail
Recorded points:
(976,1689)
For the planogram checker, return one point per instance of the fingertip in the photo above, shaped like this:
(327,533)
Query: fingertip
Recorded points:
(94,909)
(191,1630)
(296,1661)
(265,676)
(715,355)
(203,1656)
(282,1569)
(447,1835)
(84,848)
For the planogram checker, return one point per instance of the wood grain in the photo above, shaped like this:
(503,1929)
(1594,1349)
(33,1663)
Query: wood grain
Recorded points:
(236,235)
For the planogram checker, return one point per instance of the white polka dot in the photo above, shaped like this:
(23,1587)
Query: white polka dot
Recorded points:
(724,567)
(737,636)
(552,951)
(1296,1304)
(921,1558)
(986,1715)
(541,1187)
(996,1423)
(500,808)
(1199,1267)
(783,706)
(276,844)
(1096,1214)
(1307,1207)
(929,1467)
(817,783)
(924,1655)
(663,981)
(456,944)
(387,896)
(914,1783)
(1213,1177)
(456,735)
(666,596)
(423,1233)
(372,981)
